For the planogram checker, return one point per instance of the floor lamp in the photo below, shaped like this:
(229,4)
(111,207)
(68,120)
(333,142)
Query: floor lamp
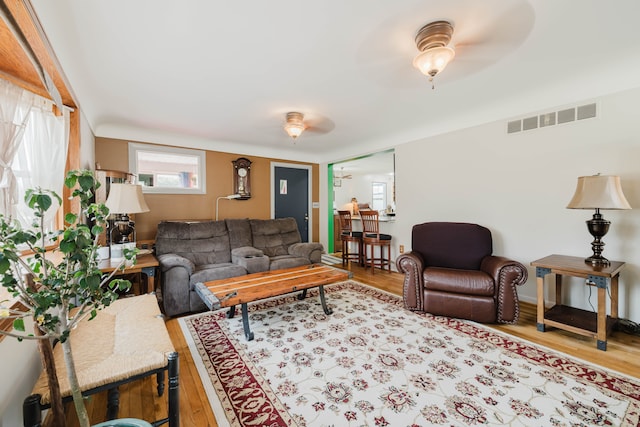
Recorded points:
(229,197)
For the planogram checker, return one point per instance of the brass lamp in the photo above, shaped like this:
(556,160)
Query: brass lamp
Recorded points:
(598,192)
(125,199)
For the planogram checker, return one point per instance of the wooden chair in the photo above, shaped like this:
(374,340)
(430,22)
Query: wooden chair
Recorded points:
(348,237)
(372,239)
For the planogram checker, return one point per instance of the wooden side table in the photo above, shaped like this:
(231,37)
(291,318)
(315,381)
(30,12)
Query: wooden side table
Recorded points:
(145,264)
(595,325)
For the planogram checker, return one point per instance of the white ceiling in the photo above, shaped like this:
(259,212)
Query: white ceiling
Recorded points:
(221,75)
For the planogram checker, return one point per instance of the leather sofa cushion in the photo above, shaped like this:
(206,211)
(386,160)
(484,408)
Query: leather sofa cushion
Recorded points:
(468,282)
(451,244)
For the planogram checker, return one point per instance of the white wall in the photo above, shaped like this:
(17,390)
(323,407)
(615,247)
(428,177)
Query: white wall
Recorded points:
(19,370)
(518,185)
(87,145)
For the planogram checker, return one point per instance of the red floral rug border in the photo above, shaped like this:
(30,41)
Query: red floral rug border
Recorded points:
(254,403)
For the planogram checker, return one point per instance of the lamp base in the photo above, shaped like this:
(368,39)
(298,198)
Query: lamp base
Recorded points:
(597,261)
(598,228)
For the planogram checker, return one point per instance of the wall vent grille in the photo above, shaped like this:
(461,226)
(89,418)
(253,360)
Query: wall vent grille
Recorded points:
(567,115)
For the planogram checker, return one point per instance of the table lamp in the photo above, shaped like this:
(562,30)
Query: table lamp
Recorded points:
(598,192)
(125,199)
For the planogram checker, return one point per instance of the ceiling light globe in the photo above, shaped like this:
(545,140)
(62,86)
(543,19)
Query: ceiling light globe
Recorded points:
(433,61)
(294,130)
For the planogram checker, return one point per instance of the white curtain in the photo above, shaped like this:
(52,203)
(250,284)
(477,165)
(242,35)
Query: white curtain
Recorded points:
(15,104)
(40,160)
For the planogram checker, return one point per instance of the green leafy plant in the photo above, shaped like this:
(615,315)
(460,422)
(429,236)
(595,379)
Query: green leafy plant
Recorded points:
(58,287)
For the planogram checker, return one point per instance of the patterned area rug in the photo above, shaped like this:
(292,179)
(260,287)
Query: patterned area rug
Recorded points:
(372,363)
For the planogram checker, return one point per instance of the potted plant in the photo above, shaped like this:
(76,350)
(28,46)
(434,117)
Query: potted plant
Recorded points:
(58,288)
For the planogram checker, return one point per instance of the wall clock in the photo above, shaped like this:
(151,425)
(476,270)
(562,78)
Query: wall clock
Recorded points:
(242,177)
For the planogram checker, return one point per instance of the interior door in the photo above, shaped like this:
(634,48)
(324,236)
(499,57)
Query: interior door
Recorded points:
(291,196)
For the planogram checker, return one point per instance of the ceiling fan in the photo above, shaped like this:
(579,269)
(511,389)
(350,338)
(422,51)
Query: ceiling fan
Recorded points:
(342,175)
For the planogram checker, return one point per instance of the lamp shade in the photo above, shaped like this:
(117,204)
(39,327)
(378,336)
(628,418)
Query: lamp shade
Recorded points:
(599,192)
(126,199)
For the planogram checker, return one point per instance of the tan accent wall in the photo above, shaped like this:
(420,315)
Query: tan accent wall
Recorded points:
(113,154)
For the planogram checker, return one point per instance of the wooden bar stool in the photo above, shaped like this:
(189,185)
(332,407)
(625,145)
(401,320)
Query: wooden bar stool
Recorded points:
(372,238)
(348,237)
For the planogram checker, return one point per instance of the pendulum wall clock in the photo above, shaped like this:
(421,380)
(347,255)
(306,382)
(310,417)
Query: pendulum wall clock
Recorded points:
(242,177)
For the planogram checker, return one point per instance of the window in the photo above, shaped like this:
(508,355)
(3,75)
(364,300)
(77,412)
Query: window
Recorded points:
(33,145)
(378,196)
(168,170)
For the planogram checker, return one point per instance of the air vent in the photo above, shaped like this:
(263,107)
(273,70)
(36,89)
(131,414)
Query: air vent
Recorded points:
(587,111)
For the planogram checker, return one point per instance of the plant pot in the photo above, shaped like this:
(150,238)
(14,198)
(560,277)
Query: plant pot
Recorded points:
(124,422)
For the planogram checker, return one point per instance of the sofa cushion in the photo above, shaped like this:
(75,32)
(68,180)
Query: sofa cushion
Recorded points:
(468,282)
(287,261)
(274,236)
(208,272)
(204,242)
(239,233)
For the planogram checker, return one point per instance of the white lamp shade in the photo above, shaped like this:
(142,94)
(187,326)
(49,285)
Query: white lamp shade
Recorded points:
(432,61)
(599,192)
(126,199)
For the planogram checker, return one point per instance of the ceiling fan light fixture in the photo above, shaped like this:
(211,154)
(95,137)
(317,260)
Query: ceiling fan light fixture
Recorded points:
(294,125)
(435,55)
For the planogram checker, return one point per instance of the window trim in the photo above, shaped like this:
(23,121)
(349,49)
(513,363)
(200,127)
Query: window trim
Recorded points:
(202,167)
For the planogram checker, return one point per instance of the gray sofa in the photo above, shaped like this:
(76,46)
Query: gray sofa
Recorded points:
(200,251)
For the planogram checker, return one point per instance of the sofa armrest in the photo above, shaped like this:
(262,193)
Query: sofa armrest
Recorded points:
(310,250)
(169,261)
(507,274)
(412,265)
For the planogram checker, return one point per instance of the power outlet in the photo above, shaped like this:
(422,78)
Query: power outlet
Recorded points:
(401,249)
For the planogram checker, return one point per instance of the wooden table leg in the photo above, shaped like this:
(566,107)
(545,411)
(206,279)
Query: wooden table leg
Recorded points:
(602,318)
(558,289)
(540,284)
(614,297)
(150,272)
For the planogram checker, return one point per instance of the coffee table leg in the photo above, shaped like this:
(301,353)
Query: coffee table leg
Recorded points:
(231,312)
(323,300)
(302,295)
(245,322)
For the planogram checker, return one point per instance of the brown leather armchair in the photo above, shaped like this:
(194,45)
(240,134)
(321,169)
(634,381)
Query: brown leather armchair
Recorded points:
(451,272)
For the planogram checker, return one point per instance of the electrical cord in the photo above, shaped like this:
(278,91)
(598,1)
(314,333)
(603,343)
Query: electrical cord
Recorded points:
(623,325)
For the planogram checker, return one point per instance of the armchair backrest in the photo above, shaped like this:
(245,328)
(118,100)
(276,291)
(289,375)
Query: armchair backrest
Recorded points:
(452,244)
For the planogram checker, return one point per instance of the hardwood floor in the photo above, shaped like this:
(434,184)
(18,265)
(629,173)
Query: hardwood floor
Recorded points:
(139,399)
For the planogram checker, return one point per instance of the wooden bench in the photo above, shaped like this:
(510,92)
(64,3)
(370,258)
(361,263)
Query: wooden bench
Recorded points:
(125,342)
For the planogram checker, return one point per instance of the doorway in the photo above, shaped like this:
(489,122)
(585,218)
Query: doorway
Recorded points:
(291,195)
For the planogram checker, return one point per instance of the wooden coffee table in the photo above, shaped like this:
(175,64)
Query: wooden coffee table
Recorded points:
(242,290)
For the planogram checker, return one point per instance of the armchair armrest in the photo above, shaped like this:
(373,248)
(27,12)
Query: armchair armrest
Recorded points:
(507,274)
(310,250)
(169,261)
(412,265)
